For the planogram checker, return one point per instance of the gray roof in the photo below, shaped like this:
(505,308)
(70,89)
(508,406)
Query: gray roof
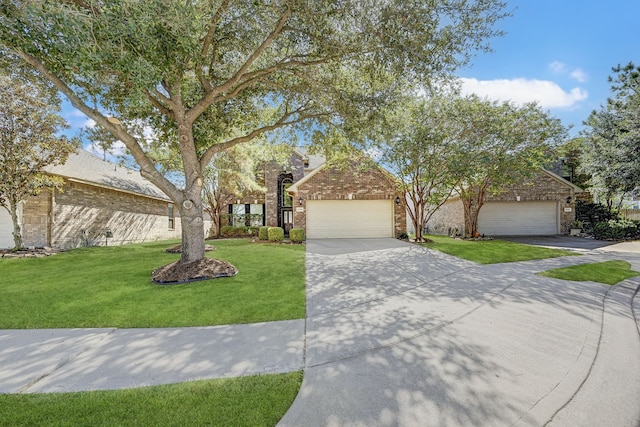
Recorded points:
(85,167)
(315,160)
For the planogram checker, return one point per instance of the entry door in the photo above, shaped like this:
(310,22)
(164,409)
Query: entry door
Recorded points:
(287,220)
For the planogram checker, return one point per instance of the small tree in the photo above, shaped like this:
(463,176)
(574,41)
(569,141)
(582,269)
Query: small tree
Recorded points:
(29,141)
(422,154)
(502,144)
(229,175)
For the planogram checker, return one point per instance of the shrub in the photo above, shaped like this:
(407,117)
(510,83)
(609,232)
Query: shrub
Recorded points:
(591,214)
(297,235)
(240,231)
(263,233)
(276,234)
(615,229)
(227,231)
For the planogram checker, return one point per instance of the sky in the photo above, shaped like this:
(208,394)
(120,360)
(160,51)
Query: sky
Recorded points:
(556,52)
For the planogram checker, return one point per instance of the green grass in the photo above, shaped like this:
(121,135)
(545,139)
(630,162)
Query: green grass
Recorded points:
(249,401)
(608,272)
(492,251)
(111,287)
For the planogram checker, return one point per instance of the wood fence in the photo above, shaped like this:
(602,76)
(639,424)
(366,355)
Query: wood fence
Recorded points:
(630,213)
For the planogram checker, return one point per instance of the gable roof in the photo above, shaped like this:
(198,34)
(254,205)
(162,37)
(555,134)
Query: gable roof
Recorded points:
(561,180)
(312,161)
(294,187)
(86,168)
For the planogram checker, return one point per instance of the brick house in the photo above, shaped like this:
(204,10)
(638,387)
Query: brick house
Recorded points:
(326,201)
(101,203)
(544,205)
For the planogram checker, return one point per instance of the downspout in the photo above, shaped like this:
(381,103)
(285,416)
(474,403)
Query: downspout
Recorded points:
(51,217)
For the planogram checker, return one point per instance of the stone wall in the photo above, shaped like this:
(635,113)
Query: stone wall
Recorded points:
(448,220)
(81,214)
(36,218)
(350,183)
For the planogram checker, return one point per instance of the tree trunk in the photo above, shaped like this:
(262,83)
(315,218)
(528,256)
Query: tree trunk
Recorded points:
(191,211)
(17,232)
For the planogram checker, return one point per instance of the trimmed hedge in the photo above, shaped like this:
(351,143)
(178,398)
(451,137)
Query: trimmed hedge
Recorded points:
(263,233)
(297,235)
(240,231)
(276,234)
(615,229)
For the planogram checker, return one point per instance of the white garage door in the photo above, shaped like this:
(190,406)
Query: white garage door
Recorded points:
(349,218)
(518,218)
(6,229)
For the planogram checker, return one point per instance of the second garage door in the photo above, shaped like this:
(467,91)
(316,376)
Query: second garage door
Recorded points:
(6,229)
(518,218)
(349,218)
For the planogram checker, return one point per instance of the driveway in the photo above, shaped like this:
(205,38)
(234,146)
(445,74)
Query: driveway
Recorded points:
(401,335)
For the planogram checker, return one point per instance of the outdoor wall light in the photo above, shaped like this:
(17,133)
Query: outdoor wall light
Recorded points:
(300,201)
(397,200)
(569,200)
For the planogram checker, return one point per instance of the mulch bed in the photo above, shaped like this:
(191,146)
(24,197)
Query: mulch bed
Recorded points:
(28,253)
(203,269)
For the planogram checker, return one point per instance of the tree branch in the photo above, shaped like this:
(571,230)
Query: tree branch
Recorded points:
(213,24)
(210,97)
(159,105)
(282,122)
(147,167)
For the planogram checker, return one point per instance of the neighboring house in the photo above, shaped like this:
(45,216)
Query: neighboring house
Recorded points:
(100,203)
(327,202)
(543,206)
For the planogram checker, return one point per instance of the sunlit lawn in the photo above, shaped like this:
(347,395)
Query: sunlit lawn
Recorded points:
(608,272)
(249,401)
(492,251)
(111,287)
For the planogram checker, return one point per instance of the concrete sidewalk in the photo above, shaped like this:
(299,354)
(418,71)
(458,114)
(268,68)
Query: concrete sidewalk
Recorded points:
(57,360)
(402,335)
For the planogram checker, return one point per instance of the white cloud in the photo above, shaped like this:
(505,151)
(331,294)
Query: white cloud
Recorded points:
(520,91)
(117,149)
(578,75)
(558,67)
(561,68)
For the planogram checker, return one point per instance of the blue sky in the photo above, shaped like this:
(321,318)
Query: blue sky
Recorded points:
(559,53)
(556,52)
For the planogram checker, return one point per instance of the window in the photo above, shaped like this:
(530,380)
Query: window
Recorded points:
(246,214)
(287,201)
(172,217)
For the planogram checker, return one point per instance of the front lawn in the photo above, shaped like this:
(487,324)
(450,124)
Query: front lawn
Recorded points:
(492,251)
(608,272)
(250,401)
(111,287)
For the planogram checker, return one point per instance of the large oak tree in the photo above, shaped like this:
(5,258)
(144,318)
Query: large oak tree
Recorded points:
(207,75)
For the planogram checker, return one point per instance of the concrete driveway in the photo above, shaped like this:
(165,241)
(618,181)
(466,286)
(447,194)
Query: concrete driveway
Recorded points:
(398,335)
